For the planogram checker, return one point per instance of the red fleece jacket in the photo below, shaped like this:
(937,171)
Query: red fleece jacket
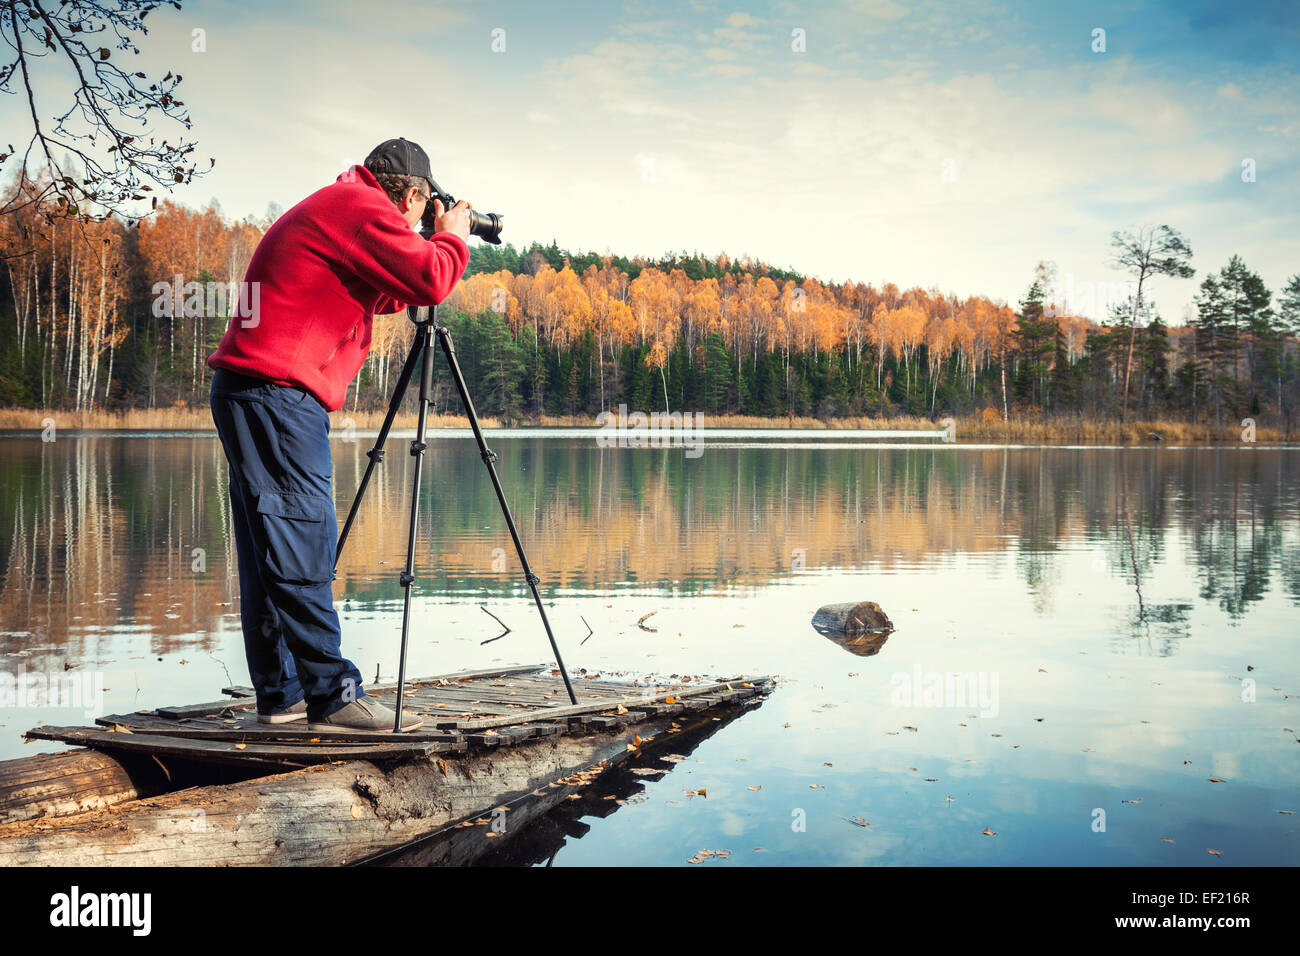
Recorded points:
(322,272)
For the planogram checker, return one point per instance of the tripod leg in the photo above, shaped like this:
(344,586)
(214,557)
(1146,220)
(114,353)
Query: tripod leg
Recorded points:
(424,341)
(444,339)
(376,454)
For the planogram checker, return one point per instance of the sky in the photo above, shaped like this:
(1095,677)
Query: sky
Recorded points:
(944,145)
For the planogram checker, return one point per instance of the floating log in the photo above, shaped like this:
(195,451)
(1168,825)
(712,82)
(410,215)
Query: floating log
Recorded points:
(71,781)
(331,799)
(852,620)
(860,628)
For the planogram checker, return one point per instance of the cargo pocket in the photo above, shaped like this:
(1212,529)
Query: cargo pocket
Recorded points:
(297,545)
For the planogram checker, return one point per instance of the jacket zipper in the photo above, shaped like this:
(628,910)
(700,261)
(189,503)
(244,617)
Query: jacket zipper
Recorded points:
(348,338)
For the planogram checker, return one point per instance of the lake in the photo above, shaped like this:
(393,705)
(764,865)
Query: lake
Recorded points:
(1085,636)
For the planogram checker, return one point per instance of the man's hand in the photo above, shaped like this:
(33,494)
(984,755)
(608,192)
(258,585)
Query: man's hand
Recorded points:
(454,220)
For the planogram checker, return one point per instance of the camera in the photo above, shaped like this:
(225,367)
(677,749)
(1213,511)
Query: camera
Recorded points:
(487,226)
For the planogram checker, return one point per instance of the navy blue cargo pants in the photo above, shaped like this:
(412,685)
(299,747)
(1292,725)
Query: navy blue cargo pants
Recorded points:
(277,443)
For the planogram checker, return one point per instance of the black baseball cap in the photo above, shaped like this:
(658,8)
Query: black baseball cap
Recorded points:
(400,156)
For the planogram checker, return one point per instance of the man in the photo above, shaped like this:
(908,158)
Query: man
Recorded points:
(323,270)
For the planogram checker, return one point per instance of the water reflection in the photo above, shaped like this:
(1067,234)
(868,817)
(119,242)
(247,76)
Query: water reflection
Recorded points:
(1136,607)
(100,535)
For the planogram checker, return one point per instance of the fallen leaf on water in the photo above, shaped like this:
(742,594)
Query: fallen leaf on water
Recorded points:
(828,764)
(858,821)
(1215,852)
(1166,840)
(1042,670)
(1216,780)
(948,800)
(1087,750)
(753,788)
(786,724)
(1287,812)
(931,779)
(1131,801)
(997,735)
(815,786)
(988,832)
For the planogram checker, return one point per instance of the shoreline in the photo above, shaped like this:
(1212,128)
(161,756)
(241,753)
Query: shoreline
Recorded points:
(967,428)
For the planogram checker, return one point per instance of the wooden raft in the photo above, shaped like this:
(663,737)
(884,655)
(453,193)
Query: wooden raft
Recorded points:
(465,712)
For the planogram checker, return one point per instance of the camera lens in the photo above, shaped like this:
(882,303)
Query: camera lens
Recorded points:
(487,226)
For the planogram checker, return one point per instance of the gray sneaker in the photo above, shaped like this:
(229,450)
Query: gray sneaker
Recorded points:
(297,712)
(365,714)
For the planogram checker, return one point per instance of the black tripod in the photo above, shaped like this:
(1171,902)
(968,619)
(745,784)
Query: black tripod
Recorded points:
(422,353)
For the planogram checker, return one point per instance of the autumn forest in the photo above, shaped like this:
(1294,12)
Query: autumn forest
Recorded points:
(543,331)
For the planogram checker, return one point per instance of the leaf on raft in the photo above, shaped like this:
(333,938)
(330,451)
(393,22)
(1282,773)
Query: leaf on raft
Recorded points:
(240,746)
(356,812)
(620,709)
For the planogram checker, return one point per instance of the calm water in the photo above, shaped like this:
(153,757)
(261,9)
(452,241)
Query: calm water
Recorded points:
(1130,615)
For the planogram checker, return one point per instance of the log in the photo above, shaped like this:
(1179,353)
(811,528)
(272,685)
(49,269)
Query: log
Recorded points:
(860,628)
(71,781)
(329,815)
(852,620)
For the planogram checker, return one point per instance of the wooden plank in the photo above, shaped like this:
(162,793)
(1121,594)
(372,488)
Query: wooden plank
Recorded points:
(297,737)
(718,687)
(241,691)
(222,750)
